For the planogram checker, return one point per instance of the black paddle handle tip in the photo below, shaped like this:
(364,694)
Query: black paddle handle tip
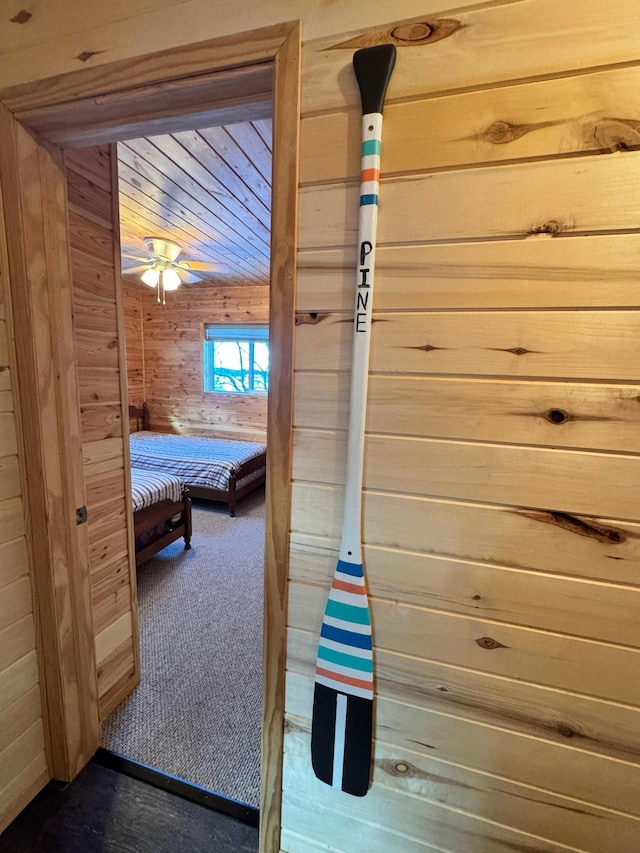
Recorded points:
(373,67)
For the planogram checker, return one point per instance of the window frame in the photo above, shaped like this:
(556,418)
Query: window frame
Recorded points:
(253,333)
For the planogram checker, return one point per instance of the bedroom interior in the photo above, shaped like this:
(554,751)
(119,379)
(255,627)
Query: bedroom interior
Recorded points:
(204,195)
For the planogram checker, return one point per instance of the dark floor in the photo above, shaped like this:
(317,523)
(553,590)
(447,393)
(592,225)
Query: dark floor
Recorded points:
(106,812)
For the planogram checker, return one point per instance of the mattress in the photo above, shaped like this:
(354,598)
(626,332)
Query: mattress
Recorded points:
(206,462)
(151,487)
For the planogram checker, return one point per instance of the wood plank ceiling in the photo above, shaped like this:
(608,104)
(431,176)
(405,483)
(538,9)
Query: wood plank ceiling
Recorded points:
(208,190)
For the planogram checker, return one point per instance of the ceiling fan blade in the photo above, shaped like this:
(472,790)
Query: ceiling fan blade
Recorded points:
(137,258)
(135,270)
(199,265)
(189,278)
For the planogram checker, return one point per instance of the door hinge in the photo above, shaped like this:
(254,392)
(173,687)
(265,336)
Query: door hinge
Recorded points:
(81,515)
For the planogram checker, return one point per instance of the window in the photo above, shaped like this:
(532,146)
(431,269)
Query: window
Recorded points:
(236,358)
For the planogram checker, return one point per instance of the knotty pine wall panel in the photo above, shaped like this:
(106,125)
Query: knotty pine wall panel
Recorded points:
(170,341)
(503,358)
(491,40)
(100,364)
(134,337)
(539,272)
(23,760)
(540,344)
(469,128)
(419,206)
(504,410)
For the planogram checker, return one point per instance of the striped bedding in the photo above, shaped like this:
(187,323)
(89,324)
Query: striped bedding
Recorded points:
(150,487)
(198,461)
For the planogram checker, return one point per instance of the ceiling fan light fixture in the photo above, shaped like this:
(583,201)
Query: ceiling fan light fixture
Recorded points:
(151,277)
(170,279)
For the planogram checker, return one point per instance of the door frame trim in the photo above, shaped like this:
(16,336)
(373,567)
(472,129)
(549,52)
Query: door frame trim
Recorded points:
(36,274)
(189,65)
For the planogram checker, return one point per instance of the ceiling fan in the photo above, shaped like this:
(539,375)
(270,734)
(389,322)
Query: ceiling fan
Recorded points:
(162,270)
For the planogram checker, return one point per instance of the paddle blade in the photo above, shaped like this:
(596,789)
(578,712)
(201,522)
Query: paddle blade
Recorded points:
(341,733)
(342,722)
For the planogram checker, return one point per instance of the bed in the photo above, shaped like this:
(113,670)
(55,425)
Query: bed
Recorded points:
(217,469)
(161,512)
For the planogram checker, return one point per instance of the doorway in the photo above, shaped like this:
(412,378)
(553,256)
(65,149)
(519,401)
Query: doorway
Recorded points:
(95,107)
(197,359)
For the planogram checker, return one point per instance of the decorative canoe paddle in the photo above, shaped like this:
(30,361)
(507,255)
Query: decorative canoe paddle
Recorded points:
(342,725)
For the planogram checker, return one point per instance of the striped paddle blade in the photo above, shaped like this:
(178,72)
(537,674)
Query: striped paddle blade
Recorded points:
(343,694)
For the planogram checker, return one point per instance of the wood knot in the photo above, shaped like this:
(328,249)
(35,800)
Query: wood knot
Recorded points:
(551,227)
(427,348)
(432,31)
(412,32)
(443,689)
(22,17)
(518,350)
(398,768)
(310,318)
(502,132)
(476,598)
(86,55)
(489,643)
(614,134)
(566,731)
(574,524)
(291,726)
(557,416)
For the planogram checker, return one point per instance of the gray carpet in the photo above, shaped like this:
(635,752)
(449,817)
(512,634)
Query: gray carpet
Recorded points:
(197,711)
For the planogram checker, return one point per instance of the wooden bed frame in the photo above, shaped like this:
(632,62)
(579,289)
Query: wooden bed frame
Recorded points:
(229,496)
(154,530)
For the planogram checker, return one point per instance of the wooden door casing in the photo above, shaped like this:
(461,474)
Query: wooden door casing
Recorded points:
(39,314)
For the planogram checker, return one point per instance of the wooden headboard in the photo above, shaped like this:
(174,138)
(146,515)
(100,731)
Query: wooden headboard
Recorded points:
(139,414)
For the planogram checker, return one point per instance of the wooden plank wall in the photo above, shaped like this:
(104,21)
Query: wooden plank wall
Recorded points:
(23,760)
(501,503)
(100,361)
(134,339)
(172,365)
